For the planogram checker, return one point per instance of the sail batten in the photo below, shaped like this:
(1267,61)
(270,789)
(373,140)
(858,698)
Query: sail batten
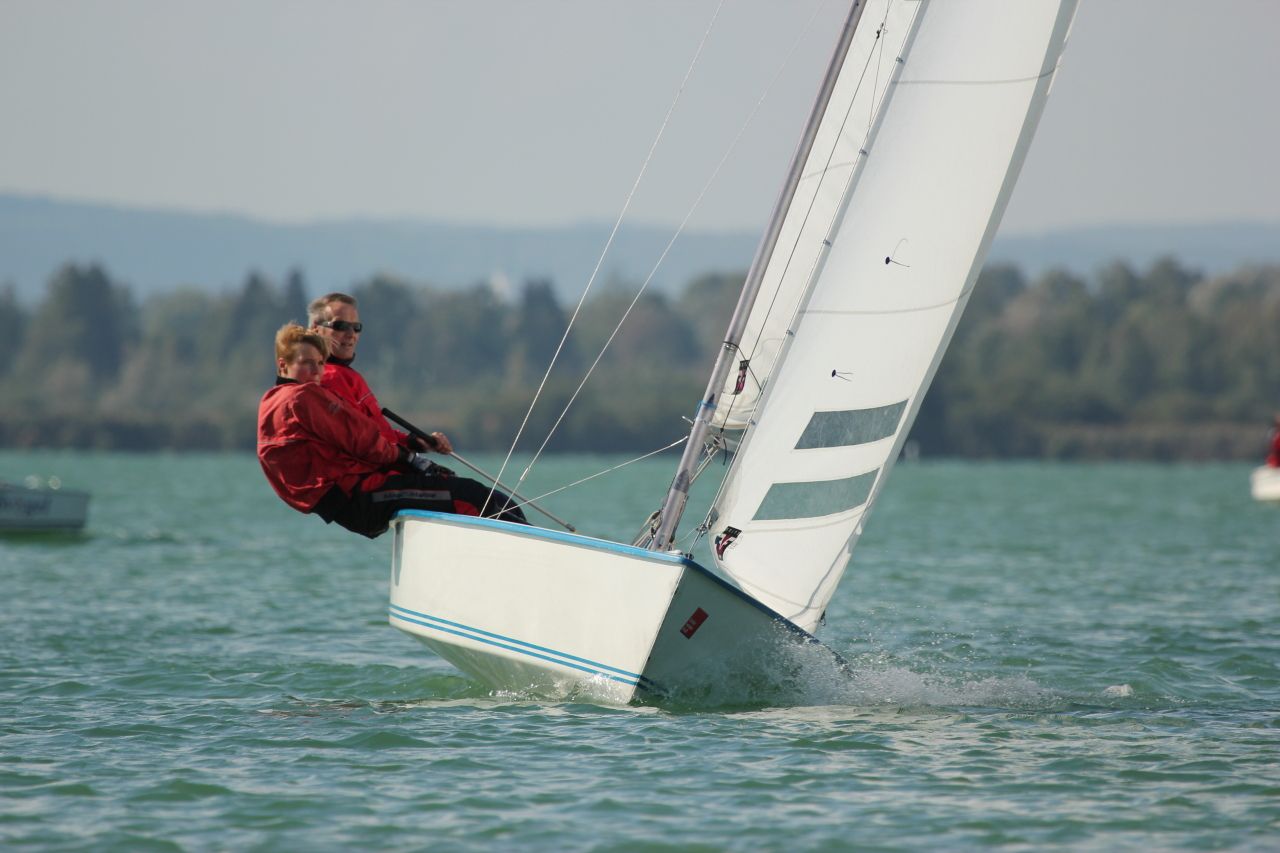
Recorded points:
(877,257)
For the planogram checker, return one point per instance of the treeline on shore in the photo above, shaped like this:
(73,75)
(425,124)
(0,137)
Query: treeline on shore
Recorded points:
(1157,364)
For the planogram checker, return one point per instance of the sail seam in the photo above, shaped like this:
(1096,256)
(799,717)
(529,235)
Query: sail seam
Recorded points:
(1009,81)
(870,312)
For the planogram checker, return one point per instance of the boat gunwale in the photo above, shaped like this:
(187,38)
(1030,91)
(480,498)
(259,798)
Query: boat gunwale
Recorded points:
(531,531)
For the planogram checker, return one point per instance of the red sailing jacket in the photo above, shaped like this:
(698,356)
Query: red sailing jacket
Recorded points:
(309,441)
(1273,458)
(347,383)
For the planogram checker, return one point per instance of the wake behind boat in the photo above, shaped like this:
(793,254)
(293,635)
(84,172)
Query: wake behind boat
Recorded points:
(903,172)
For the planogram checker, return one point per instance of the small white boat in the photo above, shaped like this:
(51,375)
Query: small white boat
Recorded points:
(1264,483)
(898,185)
(33,509)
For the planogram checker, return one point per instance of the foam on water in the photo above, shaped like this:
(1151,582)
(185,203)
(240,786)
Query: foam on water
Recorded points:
(791,673)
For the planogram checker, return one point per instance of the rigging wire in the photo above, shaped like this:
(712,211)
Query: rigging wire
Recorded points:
(528,501)
(608,244)
(697,202)
(715,446)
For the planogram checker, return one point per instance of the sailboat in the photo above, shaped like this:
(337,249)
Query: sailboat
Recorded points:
(897,187)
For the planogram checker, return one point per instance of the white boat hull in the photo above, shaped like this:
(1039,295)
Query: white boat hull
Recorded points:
(535,611)
(23,509)
(1264,483)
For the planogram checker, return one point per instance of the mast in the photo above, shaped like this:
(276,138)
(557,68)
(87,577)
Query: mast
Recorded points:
(678,494)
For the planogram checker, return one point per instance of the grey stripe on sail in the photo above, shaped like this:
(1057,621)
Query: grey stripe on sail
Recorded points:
(813,500)
(854,426)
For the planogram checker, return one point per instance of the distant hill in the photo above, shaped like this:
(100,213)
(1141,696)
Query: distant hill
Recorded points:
(157,250)
(1212,247)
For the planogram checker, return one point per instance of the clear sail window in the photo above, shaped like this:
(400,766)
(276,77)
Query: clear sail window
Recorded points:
(850,427)
(816,499)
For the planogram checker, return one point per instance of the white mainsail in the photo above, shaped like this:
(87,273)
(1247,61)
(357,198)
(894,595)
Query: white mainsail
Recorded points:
(909,174)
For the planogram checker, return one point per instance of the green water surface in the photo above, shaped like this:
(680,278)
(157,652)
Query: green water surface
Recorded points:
(1044,657)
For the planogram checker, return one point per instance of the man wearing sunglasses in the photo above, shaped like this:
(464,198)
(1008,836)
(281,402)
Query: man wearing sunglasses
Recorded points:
(323,457)
(336,318)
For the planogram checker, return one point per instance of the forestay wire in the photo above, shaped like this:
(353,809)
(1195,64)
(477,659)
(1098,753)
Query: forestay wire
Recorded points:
(608,244)
(733,144)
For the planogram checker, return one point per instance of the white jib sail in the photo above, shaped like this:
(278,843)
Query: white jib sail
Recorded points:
(843,131)
(931,118)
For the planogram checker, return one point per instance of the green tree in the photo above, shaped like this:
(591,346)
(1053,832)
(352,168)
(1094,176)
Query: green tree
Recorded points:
(82,327)
(654,335)
(389,308)
(538,326)
(176,366)
(707,304)
(460,339)
(295,299)
(15,321)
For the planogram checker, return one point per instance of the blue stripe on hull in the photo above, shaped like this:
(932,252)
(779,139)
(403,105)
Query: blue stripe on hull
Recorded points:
(519,646)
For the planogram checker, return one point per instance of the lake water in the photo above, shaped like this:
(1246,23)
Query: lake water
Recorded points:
(1044,657)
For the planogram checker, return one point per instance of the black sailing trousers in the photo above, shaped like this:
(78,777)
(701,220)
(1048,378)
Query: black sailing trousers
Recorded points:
(370,513)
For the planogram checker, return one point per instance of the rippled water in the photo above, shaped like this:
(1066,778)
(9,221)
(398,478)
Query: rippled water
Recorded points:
(1044,656)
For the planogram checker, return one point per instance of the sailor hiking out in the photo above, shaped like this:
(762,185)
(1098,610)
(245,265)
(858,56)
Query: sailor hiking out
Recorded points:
(322,456)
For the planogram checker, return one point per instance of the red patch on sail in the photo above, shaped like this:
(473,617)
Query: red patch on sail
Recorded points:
(695,622)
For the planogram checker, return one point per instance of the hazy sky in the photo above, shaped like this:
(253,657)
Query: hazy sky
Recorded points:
(541,111)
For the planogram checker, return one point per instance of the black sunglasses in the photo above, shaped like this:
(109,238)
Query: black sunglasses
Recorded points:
(343,326)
